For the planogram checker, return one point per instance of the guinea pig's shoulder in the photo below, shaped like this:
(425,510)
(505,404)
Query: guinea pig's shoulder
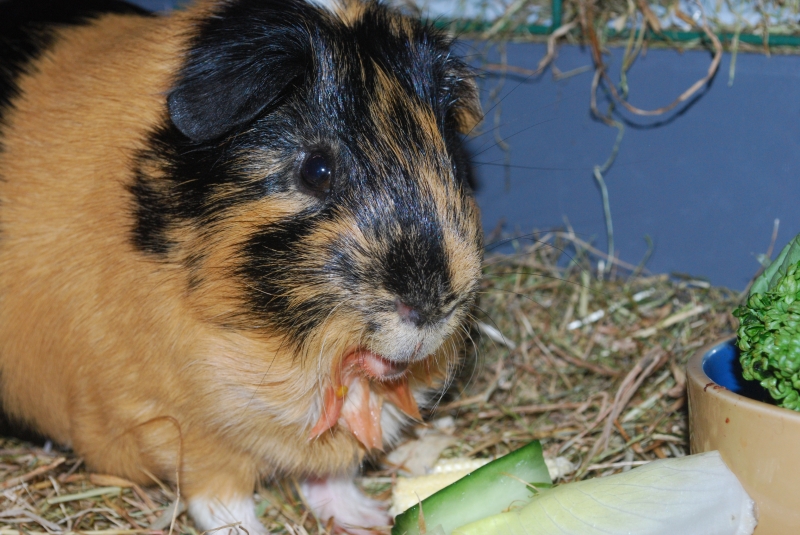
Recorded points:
(29,27)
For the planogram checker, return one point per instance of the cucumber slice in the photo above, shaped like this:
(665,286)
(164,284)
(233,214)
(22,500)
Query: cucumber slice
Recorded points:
(488,490)
(691,495)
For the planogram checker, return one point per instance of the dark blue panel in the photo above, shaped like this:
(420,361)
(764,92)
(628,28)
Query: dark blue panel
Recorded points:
(705,181)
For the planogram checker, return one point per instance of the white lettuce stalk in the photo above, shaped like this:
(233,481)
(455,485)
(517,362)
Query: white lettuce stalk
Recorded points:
(694,495)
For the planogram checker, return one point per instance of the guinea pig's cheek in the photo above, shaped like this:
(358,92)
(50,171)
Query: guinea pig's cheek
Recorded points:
(277,211)
(465,260)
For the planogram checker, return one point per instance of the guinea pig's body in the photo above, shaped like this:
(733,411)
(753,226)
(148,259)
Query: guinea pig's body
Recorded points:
(235,242)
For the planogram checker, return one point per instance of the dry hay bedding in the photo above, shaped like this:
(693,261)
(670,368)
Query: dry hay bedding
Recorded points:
(607,395)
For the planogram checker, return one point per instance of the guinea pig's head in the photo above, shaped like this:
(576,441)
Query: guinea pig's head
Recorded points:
(311,180)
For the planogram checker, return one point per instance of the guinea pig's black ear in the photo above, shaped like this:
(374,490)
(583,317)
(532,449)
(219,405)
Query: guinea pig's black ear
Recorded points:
(241,61)
(467,109)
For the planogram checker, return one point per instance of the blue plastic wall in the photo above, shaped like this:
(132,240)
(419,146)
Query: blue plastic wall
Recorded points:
(705,181)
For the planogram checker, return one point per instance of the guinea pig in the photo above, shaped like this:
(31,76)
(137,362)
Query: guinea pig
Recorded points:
(236,242)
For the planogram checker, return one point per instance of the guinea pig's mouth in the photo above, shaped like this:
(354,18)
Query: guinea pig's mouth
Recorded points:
(377,367)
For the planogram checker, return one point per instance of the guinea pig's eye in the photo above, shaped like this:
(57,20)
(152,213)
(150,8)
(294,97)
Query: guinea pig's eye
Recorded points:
(316,173)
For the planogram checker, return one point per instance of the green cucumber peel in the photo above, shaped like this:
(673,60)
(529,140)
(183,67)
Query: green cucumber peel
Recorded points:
(505,482)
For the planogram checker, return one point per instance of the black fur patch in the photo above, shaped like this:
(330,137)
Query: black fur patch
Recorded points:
(269,81)
(177,180)
(271,256)
(26,30)
(240,63)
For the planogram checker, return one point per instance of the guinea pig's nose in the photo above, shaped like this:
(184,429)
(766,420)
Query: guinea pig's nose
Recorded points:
(410,313)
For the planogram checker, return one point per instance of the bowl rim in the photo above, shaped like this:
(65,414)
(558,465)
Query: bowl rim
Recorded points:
(696,374)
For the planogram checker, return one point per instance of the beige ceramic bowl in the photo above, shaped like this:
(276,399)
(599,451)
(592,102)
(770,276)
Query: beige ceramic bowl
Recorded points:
(759,442)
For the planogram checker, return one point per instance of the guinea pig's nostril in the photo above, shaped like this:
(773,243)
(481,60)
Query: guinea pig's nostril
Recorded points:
(409,314)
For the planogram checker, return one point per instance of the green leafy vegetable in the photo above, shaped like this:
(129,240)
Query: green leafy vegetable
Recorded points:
(488,490)
(769,279)
(694,495)
(769,329)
